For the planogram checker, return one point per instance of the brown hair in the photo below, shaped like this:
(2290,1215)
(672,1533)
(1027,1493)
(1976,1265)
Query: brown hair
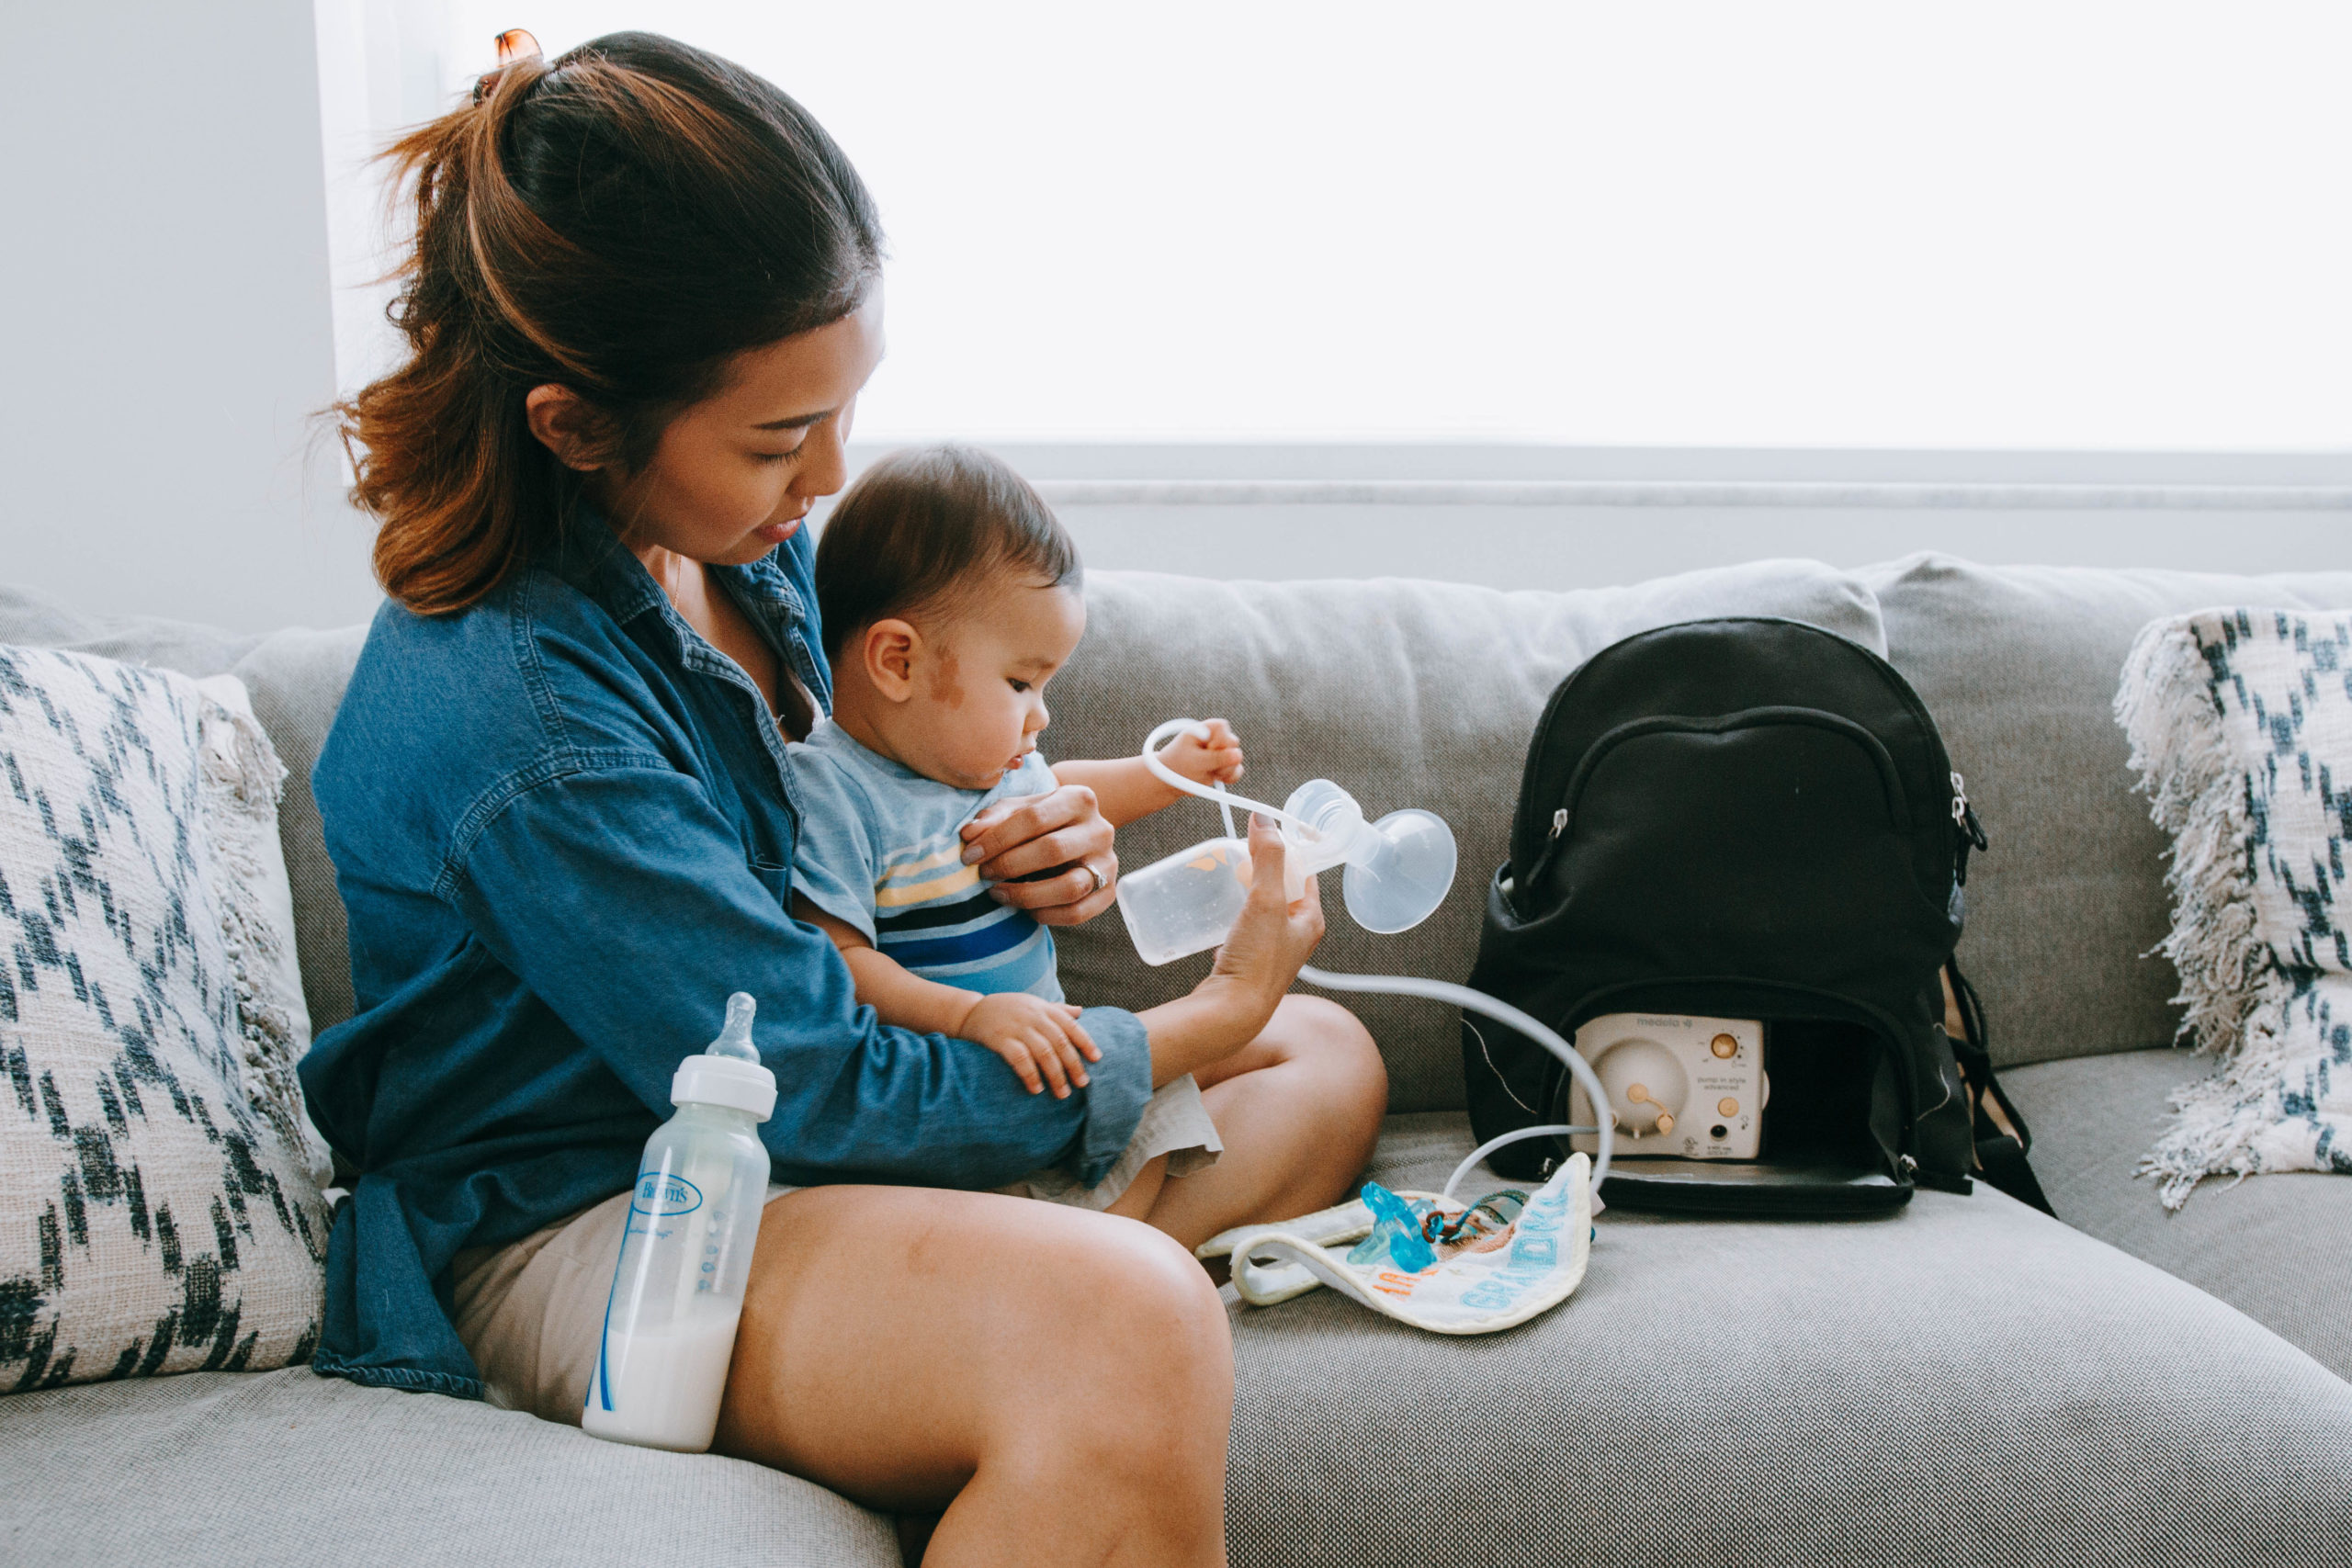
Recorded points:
(922,526)
(621,222)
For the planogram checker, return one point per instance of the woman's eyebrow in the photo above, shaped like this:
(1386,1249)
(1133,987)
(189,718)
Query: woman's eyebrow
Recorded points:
(797,422)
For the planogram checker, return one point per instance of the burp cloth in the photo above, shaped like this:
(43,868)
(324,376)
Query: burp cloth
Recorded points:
(1470,1293)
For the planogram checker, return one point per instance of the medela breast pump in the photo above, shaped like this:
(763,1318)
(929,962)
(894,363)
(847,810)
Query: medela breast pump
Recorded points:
(1398,871)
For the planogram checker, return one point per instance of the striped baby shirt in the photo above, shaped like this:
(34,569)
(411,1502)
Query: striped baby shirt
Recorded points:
(879,849)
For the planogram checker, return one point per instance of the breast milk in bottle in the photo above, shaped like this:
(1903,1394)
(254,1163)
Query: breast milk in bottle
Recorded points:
(686,1254)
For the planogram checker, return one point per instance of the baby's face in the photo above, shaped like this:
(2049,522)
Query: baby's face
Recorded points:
(979,697)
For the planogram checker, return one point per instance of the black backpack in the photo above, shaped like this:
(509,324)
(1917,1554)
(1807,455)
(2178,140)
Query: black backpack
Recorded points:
(1749,819)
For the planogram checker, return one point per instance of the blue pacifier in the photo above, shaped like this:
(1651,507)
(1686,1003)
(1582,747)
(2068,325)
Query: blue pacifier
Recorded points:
(1396,1232)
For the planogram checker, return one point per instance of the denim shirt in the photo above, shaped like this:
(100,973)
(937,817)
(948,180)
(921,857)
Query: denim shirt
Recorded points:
(562,829)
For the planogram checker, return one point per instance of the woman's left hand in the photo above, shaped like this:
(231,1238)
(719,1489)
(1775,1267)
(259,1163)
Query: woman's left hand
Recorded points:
(1017,838)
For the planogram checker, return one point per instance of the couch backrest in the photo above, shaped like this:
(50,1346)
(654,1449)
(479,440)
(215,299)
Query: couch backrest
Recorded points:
(1404,693)
(1424,694)
(1409,693)
(2020,666)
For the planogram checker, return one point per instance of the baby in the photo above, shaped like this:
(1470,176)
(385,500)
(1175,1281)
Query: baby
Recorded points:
(949,597)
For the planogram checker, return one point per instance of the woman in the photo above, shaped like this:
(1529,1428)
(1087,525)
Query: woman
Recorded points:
(646,288)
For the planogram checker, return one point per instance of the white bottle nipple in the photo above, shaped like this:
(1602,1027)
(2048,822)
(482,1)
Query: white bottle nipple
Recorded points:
(729,1071)
(735,1036)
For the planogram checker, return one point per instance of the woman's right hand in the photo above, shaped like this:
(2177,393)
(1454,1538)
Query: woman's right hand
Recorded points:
(1271,938)
(1272,935)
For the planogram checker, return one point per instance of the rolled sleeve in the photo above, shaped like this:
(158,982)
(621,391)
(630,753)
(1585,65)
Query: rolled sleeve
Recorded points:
(833,860)
(541,883)
(1119,1086)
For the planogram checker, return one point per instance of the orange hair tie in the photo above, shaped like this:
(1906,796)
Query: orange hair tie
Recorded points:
(513,44)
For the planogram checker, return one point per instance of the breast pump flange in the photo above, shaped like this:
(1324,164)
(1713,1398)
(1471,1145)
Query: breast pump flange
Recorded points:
(1398,871)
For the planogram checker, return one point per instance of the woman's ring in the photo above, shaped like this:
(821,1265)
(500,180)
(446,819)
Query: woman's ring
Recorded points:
(1096,872)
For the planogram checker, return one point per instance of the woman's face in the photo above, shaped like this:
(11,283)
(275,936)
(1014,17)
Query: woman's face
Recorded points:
(734,475)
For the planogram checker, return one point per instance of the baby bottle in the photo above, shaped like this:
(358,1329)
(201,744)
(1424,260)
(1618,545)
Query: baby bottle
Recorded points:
(686,1254)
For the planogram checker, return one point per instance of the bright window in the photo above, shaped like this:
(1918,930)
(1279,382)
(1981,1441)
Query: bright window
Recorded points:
(2003,225)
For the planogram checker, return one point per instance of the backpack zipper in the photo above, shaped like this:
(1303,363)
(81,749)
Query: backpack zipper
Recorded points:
(1898,805)
(1966,829)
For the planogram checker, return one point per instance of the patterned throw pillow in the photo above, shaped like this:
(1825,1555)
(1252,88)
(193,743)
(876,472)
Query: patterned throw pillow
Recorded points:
(2241,731)
(160,1208)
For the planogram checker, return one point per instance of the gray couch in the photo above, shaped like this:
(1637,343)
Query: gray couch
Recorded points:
(1966,1381)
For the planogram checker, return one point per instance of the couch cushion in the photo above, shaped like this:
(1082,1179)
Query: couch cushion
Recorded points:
(295,680)
(1405,694)
(2272,1246)
(1965,1382)
(2020,666)
(287,1470)
(160,1209)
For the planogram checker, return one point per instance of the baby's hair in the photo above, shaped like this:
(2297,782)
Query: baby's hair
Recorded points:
(923,528)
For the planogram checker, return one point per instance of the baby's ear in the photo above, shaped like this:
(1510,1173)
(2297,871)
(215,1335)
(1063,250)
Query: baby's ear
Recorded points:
(890,648)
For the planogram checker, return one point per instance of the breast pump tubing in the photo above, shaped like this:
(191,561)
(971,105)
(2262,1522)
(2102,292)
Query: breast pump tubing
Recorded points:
(1405,985)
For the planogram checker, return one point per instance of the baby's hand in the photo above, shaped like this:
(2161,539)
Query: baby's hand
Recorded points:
(1216,759)
(1033,1036)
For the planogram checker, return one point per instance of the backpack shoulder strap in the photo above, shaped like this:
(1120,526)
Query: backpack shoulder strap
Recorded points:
(2002,1139)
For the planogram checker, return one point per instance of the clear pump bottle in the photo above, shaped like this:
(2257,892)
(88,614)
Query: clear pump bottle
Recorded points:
(1398,870)
(686,1254)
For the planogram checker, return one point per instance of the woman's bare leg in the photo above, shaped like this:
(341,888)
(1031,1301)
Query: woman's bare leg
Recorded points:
(1135,1202)
(1298,1109)
(1059,1382)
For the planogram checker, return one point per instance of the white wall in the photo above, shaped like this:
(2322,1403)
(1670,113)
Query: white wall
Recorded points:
(164,321)
(2100,223)
(167,331)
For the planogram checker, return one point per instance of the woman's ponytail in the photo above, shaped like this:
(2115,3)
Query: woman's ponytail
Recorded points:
(620,222)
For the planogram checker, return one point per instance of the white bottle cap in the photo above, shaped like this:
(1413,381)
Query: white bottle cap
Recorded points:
(721,1080)
(729,1073)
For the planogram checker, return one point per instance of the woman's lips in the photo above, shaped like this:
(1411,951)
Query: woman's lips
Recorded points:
(777,533)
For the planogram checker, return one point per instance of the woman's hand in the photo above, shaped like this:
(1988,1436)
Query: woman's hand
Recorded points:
(1270,938)
(1273,936)
(1063,835)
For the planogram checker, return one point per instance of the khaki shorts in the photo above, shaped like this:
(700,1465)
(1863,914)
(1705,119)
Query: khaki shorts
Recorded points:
(532,1312)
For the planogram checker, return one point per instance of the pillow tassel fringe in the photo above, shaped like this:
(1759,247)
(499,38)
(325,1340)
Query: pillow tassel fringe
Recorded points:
(240,768)
(2229,1123)
(2197,795)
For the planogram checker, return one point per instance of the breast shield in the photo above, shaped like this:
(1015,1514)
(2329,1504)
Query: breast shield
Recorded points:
(1398,869)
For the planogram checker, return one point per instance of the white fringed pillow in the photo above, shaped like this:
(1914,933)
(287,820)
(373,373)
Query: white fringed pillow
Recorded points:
(160,1206)
(2241,731)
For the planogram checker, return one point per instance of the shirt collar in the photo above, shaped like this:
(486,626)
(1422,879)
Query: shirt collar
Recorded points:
(827,735)
(592,559)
